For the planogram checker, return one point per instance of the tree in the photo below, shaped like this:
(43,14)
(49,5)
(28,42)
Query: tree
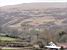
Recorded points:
(62,33)
(62,36)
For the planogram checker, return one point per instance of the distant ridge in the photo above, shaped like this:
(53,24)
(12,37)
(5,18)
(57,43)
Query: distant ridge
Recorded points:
(37,5)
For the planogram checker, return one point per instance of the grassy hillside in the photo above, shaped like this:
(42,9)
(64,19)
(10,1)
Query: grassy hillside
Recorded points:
(30,20)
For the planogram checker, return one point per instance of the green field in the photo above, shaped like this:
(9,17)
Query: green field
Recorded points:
(7,39)
(4,40)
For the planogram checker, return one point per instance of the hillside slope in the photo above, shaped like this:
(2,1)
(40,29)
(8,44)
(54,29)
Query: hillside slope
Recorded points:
(28,19)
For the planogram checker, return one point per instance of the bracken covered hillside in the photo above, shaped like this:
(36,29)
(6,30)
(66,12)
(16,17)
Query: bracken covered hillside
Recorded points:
(29,20)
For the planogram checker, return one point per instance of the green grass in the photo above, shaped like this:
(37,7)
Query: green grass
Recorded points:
(4,40)
(7,38)
(9,49)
